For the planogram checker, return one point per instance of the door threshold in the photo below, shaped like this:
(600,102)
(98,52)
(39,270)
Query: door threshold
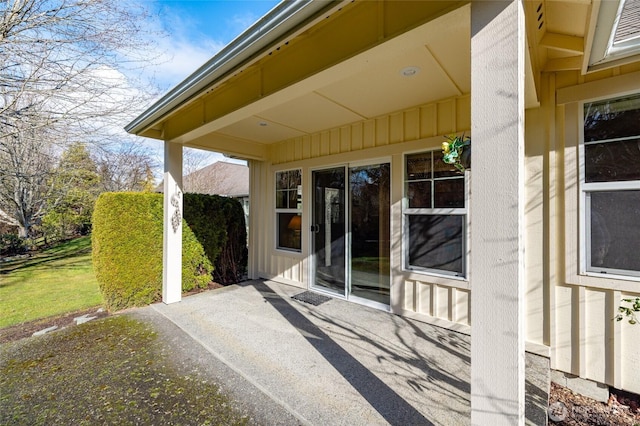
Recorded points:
(354,299)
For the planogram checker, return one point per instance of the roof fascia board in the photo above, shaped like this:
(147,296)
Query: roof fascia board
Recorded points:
(284,18)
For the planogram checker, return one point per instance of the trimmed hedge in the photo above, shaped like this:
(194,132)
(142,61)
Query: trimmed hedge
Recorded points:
(127,250)
(219,224)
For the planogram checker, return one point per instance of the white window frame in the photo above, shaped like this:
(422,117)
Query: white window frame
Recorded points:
(586,189)
(566,160)
(297,210)
(407,211)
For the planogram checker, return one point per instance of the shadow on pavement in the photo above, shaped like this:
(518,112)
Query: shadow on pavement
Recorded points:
(382,398)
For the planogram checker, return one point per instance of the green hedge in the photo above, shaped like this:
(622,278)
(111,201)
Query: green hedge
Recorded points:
(127,250)
(11,245)
(218,223)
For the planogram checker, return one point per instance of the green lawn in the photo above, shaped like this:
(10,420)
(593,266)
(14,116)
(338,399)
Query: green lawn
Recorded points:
(57,281)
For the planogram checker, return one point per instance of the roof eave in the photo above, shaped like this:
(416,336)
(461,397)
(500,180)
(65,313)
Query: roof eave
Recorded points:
(284,18)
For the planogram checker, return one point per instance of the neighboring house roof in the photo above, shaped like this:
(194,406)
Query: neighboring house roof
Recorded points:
(219,178)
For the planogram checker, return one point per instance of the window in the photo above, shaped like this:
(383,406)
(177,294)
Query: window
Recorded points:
(435,215)
(611,186)
(289,209)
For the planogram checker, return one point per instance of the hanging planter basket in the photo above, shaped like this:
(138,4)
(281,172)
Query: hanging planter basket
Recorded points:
(457,152)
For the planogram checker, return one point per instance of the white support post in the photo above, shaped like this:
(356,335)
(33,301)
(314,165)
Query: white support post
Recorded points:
(172,236)
(497,213)
(256,203)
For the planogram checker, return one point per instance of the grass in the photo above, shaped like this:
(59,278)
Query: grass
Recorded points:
(56,281)
(110,371)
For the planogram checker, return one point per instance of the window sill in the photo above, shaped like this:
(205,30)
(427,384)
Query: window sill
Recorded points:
(606,282)
(438,279)
(288,252)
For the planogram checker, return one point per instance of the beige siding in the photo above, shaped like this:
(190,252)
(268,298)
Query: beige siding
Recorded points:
(627,372)
(448,116)
(536,300)
(569,317)
(585,340)
(435,299)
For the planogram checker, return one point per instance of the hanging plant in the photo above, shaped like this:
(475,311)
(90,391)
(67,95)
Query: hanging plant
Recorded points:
(457,151)
(630,312)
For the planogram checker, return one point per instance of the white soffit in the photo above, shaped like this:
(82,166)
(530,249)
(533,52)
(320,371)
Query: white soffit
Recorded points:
(366,86)
(440,51)
(617,34)
(260,129)
(301,113)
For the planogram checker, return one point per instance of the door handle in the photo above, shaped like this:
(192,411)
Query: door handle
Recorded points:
(315,228)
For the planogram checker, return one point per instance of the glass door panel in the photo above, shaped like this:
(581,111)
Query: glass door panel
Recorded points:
(369,189)
(328,230)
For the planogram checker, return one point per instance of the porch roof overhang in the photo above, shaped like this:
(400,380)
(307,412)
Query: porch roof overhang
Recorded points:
(317,73)
(270,29)
(302,69)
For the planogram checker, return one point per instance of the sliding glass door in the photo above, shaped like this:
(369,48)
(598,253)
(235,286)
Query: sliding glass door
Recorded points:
(370,228)
(350,232)
(328,230)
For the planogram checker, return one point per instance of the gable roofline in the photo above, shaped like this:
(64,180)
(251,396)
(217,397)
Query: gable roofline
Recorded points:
(280,21)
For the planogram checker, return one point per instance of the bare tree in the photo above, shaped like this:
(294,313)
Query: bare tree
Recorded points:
(199,177)
(25,179)
(126,167)
(67,73)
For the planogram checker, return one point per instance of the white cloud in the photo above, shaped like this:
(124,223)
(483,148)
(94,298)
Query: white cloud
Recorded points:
(241,22)
(180,57)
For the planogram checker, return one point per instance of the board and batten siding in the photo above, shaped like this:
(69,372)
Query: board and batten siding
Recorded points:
(440,118)
(569,317)
(439,300)
(585,340)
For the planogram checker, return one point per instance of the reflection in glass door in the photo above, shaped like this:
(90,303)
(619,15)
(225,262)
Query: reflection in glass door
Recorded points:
(328,230)
(357,267)
(369,195)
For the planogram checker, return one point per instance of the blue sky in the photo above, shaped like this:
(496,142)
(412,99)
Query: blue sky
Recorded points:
(198,29)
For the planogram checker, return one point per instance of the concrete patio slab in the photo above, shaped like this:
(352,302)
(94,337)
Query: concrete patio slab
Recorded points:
(338,363)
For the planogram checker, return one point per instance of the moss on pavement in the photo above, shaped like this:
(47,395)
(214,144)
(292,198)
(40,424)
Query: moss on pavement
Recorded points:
(109,371)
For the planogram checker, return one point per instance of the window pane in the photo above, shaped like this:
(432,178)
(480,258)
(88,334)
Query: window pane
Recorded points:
(436,242)
(289,229)
(419,194)
(612,161)
(281,199)
(615,230)
(449,193)
(611,119)
(442,169)
(419,166)
(293,199)
(282,180)
(295,178)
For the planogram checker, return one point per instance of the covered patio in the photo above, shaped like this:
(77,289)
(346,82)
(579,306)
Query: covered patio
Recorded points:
(338,362)
(350,197)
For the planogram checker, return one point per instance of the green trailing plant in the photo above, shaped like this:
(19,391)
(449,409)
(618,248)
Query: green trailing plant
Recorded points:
(629,312)
(456,151)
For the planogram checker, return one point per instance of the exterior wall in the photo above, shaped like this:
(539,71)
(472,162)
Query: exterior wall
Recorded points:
(441,300)
(585,340)
(568,318)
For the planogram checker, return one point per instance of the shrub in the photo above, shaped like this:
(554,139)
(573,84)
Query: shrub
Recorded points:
(127,250)
(11,245)
(219,225)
